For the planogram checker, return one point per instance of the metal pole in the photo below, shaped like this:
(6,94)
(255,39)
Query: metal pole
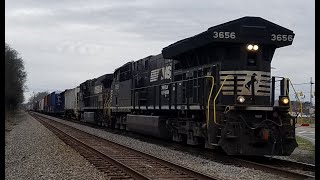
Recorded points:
(273,90)
(311,91)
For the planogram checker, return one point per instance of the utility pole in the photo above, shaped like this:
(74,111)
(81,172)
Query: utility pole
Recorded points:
(310,96)
(311,91)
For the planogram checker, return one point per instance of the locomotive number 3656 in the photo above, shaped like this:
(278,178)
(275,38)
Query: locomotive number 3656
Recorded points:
(281,37)
(224,35)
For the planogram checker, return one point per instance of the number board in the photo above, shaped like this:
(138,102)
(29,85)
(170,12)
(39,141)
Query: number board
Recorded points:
(224,35)
(281,37)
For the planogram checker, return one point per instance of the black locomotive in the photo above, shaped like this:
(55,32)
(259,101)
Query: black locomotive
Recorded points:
(213,89)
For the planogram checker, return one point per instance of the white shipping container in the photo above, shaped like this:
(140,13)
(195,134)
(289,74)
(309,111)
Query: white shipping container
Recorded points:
(41,105)
(70,99)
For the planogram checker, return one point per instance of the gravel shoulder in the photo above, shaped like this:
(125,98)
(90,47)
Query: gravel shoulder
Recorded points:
(34,152)
(191,161)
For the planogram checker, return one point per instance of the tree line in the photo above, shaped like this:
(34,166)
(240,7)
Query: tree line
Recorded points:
(15,79)
(37,96)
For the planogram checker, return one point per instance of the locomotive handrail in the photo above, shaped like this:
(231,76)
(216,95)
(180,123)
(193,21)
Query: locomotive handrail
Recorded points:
(209,98)
(214,100)
(103,93)
(132,89)
(186,80)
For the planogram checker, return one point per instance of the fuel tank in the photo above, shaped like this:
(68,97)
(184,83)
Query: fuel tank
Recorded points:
(148,125)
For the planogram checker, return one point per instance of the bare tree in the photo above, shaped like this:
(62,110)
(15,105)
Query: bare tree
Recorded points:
(15,78)
(37,96)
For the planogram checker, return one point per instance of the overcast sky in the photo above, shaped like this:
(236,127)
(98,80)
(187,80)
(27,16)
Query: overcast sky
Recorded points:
(64,43)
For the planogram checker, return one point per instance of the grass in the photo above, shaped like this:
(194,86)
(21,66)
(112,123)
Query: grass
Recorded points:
(305,144)
(306,153)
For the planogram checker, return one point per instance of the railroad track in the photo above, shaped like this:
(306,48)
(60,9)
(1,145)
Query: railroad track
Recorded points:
(290,169)
(285,168)
(117,161)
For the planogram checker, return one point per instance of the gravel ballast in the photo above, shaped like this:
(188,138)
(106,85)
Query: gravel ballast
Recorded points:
(34,152)
(194,162)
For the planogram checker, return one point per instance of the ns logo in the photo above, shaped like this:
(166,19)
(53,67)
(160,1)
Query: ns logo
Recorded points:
(251,82)
(260,82)
(161,73)
(246,80)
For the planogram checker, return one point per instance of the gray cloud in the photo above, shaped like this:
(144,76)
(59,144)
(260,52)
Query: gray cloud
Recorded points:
(82,39)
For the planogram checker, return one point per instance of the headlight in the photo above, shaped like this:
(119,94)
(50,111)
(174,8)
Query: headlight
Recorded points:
(252,47)
(241,99)
(284,100)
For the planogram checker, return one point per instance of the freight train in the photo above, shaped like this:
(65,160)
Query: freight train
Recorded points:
(213,90)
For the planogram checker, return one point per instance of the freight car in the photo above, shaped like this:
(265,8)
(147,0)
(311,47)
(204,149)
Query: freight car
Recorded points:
(46,103)
(41,105)
(55,103)
(214,89)
(71,103)
(35,106)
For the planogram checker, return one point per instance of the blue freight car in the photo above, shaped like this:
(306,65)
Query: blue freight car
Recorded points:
(56,105)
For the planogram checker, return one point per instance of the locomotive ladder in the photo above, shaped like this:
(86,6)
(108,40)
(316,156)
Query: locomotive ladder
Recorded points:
(107,105)
(297,98)
(214,100)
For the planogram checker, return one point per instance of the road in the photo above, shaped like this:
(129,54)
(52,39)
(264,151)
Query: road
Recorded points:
(306,132)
